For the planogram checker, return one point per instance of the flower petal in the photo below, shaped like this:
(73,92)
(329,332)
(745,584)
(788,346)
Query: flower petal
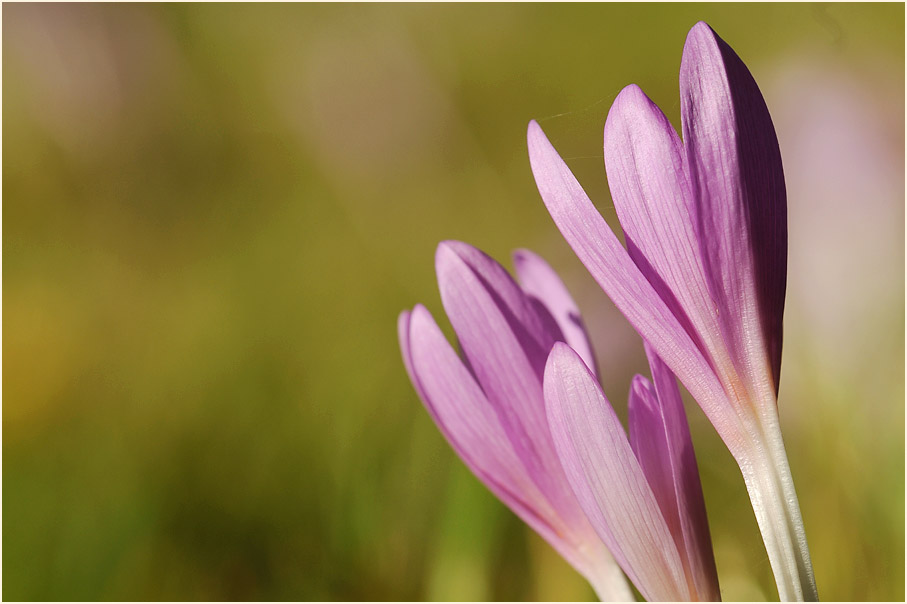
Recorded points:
(506,343)
(403,323)
(737,181)
(661,440)
(608,480)
(541,282)
(644,163)
(599,250)
(507,293)
(474,430)
(469,423)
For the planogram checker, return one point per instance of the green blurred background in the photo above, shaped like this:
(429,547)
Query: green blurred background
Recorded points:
(214,213)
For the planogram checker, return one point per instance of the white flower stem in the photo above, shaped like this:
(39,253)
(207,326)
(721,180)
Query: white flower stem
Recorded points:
(766,472)
(610,584)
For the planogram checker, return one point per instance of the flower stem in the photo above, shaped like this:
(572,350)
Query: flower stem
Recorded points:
(610,585)
(766,472)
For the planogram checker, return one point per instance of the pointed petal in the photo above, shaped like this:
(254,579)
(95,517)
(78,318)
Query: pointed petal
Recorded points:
(610,265)
(644,163)
(608,480)
(737,181)
(508,294)
(506,343)
(469,423)
(661,440)
(541,282)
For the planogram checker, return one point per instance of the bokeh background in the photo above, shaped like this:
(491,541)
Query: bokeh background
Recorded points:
(214,213)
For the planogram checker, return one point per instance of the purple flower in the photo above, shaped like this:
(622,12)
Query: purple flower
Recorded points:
(490,406)
(579,483)
(643,496)
(703,276)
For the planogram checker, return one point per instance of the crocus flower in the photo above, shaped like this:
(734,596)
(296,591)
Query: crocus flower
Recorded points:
(643,496)
(703,276)
(489,404)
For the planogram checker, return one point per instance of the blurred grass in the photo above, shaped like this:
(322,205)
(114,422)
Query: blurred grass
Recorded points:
(214,213)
